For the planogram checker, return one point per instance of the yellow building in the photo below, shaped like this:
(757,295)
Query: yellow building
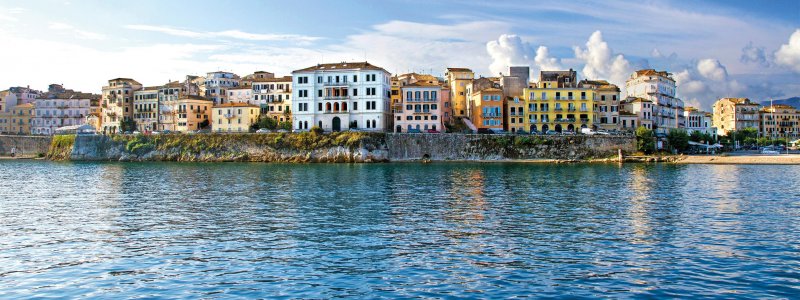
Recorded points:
(732,114)
(515,115)
(17,120)
(234,117)
(558,103)
(193,113)
(780,121)
(457,80)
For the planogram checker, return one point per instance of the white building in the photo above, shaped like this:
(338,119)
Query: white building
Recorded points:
(59,110)
(658,87)
(701,121)
(217,85)
(340,96)
(274,96)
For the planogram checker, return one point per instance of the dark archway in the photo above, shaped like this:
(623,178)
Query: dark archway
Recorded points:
(399,129)
(336,124)
(571,127)
(533,128)
(558,128)
(545,127)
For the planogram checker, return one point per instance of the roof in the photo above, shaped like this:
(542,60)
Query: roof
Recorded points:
(276,79)
(235,104)
(653,72)
(743,101)
(26,105)
(554,75)
(173,84)
(458,70)
(124,79)
(343,66)
(69,96)
(635,99)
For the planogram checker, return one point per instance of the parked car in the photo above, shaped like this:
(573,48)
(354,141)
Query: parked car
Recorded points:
(155,133)
(588,131)
(485,131)
(535,132)
(431,131)
(282,131)
(769,150)
(567,132)
(263,130)
(551,132)
(136,132)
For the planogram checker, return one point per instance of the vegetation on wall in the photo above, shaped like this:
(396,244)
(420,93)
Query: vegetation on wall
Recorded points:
(60,147)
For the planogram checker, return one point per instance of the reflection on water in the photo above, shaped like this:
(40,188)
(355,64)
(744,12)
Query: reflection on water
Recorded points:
(396,230)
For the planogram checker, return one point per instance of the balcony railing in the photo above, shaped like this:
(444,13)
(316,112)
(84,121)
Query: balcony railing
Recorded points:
(584,120)
(558,109)
(565,120)
(420,100)
(571,109)
(336,97)
(229,116)
(344,83)
(492,115)
(335,112)
(422,112)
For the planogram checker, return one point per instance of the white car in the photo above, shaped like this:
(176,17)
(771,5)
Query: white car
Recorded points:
(263,130)
(767,150)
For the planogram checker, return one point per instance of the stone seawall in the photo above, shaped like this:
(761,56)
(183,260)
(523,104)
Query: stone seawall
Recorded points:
(403,147)
(345,147)
(26,146)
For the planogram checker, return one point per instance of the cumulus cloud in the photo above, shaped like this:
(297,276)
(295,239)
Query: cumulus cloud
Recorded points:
(508,50)
(601,62)
(708,80)
(753,54)
(789,54)
(712,69)
(543,60)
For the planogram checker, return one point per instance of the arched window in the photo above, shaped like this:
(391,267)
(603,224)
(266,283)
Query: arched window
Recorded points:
(299,124)
(367,123)
(306,124)
(336,106)
(373,124)
(327,107)
(320,124)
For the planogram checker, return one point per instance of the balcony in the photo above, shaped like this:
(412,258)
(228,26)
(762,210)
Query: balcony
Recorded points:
(229,116)
(335,83)
(585,109)
(565,120)
(335,112)
(421,112)
(584,121)
(421,100)
(336,97)
(557,109)
(571,109)
(492,115)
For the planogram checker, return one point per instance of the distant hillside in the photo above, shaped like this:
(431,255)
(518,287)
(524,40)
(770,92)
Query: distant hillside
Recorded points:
(794,101)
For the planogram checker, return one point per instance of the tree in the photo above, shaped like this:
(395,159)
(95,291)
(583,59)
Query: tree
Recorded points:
(696,136)
(285,125)
(128,125)
(266,122)
(316,130)
(644,140)
(678,139)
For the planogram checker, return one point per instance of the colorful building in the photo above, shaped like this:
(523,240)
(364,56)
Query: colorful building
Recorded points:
(557,102)
(641,109)
(515,115)
(732,114)
(457,80)
(486,107)
(117,103)
(234,117)
(193,113)
(606,103)
(420,107)
(60,107)
(217,85)
(145,109)
(700,121)
(273,96)
(17,120)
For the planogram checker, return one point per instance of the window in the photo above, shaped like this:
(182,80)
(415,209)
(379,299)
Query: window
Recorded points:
(319,93)
(320,107)
(355,105)
(355,78)
(371,92)
(355,92)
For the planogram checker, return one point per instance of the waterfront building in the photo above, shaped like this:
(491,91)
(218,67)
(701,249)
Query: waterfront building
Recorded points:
(217,85)
(17,95)
(60,107)
(192,113)
(17,120)
(628,121)
(273,95)
(641,109)
(341,95)
(779,121)
(420,108)
(486,104)
(732,114)
(117,103)
(606,103)
(241,94)
(557,102)
(145,108)
(168,96)
(457,79)
(234,117)
(515,115)
(658,87)
(700,121)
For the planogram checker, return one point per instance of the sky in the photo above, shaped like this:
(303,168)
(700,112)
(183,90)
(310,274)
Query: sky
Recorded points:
(713,49)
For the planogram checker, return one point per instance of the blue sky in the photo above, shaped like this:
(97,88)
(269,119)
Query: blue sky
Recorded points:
(714,48)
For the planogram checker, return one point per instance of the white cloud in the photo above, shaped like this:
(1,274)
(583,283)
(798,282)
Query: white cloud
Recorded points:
(81,34)
(601,62)
(789,54)
(543,60)
(234,34)
(506,51)
(712,69)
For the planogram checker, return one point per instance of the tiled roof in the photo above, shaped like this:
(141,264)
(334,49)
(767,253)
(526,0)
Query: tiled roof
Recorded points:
(458,70)
(652,72)
(235,104)
(276,79)
(342,66)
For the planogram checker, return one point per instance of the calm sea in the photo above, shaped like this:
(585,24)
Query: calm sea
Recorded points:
(442,230)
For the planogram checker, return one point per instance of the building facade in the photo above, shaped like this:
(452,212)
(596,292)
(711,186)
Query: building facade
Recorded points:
(340,96)
(606,104)
(193,113)
(273,96)
(515,115)
(699,121)
(117,103)
(61,109)
(658,87)
(217,85)
(486,108)
(234,117)
(779,121)
(640,109)
(145,109)
(17,120)
(732,114)
(420,108)
(457,80)
(557,102)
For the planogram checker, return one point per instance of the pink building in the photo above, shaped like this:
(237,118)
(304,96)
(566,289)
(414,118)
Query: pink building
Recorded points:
(422,109)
